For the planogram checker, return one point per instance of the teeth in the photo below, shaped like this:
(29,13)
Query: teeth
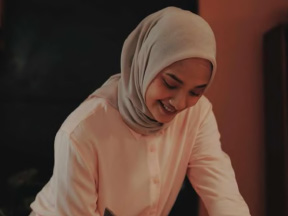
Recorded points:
(168,109)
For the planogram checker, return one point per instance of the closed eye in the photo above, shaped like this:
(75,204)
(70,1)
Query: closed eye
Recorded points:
(194,94)
(168,85)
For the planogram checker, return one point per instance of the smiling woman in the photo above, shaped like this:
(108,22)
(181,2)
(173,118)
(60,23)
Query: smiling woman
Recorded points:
(128,147)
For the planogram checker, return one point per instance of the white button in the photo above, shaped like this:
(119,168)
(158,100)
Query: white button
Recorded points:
(156,180)
(152,148)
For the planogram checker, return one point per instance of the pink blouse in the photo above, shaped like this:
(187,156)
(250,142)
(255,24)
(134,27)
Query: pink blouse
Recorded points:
(100,163)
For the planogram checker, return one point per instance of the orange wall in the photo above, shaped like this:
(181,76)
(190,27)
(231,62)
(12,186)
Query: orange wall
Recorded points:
(237,91)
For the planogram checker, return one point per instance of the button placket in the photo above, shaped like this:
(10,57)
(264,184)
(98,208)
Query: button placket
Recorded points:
(154,169)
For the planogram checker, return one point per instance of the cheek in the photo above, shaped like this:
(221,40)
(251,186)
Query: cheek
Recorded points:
(155,91)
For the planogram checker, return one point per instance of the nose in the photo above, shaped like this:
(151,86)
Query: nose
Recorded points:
(183,101)
(179,102)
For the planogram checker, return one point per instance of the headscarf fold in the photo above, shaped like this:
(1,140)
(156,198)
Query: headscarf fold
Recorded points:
(160,39)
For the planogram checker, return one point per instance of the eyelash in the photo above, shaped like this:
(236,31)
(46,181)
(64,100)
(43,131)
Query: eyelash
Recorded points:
(169,86)
(174,87)
(194,94)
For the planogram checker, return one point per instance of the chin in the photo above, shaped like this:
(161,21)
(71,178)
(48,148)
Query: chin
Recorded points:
(162,116)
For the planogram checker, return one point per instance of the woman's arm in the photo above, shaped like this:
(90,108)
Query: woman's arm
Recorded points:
(211,173)
(74,177)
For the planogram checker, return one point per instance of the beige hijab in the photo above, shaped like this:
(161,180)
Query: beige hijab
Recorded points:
(159,40)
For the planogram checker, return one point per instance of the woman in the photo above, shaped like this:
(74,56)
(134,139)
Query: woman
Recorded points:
(126,149)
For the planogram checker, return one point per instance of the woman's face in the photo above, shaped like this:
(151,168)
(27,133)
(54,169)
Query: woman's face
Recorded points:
(177,87)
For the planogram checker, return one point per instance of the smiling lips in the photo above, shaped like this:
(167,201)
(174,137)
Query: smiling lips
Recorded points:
(168,108)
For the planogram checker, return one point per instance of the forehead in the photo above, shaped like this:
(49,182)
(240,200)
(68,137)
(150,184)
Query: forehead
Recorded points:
(190,68)
(191,63)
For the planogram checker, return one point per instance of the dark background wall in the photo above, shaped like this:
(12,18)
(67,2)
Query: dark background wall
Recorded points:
(55,54)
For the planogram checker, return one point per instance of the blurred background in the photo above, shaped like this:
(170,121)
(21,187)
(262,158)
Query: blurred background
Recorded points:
(53,54)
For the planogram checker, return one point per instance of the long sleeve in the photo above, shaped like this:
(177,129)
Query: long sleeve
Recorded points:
(74,178)
(211,173)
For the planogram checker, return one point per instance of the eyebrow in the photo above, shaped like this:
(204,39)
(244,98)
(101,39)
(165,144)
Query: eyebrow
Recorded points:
(181,82)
